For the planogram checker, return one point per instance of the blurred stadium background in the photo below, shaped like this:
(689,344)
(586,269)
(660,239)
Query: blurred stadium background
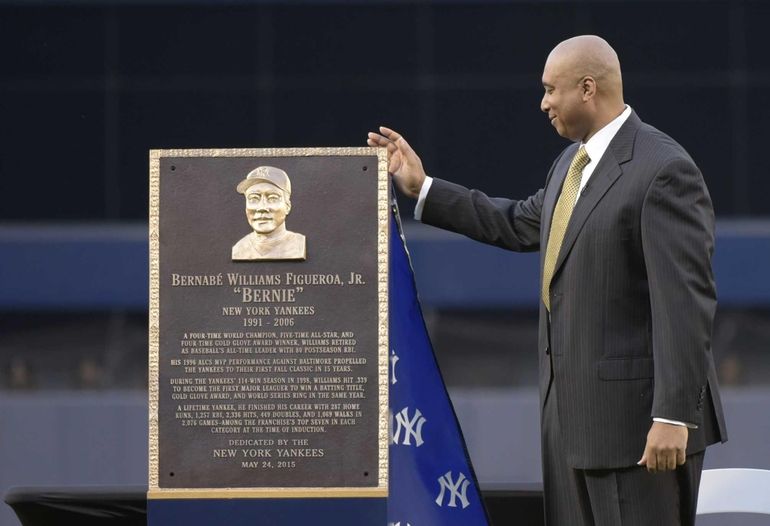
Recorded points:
(87,88)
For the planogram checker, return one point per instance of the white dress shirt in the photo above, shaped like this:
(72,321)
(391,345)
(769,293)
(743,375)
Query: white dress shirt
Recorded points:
(595,147)
(598,143)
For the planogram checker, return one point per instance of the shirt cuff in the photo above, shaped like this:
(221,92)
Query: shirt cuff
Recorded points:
(421,199)
(675,423)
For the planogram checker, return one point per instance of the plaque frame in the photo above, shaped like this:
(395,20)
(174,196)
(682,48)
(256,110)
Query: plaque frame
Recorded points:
(383,236)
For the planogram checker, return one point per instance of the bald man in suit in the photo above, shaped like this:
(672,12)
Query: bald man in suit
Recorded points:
(625,227)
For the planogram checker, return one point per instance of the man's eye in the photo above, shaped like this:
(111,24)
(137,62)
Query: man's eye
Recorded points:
(273,199)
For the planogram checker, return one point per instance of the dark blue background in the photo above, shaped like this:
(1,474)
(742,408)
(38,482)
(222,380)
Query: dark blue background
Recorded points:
(87,89)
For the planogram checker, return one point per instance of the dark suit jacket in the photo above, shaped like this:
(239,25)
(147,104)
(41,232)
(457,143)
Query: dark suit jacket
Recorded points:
(632,296)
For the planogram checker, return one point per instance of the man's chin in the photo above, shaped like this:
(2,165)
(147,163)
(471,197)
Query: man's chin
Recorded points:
(561,131)
(263,228)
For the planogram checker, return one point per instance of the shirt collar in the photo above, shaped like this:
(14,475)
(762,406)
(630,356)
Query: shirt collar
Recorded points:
(597,145)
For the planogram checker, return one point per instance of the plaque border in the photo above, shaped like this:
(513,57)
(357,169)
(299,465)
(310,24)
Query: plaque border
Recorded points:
(383,236)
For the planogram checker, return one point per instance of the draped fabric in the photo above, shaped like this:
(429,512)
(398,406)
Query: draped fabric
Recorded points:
(431,478)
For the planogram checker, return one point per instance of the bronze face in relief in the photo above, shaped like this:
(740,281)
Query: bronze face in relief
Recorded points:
(268,201)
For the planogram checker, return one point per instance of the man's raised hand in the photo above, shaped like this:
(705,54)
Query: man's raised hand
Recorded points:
(403,164)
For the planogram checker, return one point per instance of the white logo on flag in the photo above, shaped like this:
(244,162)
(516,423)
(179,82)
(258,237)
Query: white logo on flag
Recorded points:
(393,360)
(397,524)
(456,489)
(411,427)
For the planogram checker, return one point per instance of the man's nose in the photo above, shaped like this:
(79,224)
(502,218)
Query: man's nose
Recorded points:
(544,106)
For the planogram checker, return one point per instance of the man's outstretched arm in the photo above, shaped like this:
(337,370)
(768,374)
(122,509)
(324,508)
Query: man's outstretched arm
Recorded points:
(506,223)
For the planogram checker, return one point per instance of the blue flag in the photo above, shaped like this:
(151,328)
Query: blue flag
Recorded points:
(431,478)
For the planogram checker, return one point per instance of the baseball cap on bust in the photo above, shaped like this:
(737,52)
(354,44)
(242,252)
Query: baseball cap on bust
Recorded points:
(267,174)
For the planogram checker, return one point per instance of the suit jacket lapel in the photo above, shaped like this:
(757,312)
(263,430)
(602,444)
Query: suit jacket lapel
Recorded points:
(604,176)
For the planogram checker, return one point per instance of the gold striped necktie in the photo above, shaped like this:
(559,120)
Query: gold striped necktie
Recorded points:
(561,215)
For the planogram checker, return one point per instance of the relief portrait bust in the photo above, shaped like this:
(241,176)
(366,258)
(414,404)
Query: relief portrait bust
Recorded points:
(268,201)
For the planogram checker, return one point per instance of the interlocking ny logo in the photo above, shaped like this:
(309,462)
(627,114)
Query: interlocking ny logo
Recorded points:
(393,361)
(397,524)
(456,489)
(411,427)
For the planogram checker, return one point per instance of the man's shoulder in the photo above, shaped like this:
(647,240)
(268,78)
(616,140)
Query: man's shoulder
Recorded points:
(657,148)
(243,249)
(244,241)
(292,246)
(656,154)
(294,237)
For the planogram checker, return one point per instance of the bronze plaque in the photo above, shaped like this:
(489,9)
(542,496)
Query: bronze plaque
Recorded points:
(268,323)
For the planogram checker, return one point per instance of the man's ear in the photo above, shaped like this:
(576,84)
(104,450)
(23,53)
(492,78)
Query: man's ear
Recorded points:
(588,88)
(288,206)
